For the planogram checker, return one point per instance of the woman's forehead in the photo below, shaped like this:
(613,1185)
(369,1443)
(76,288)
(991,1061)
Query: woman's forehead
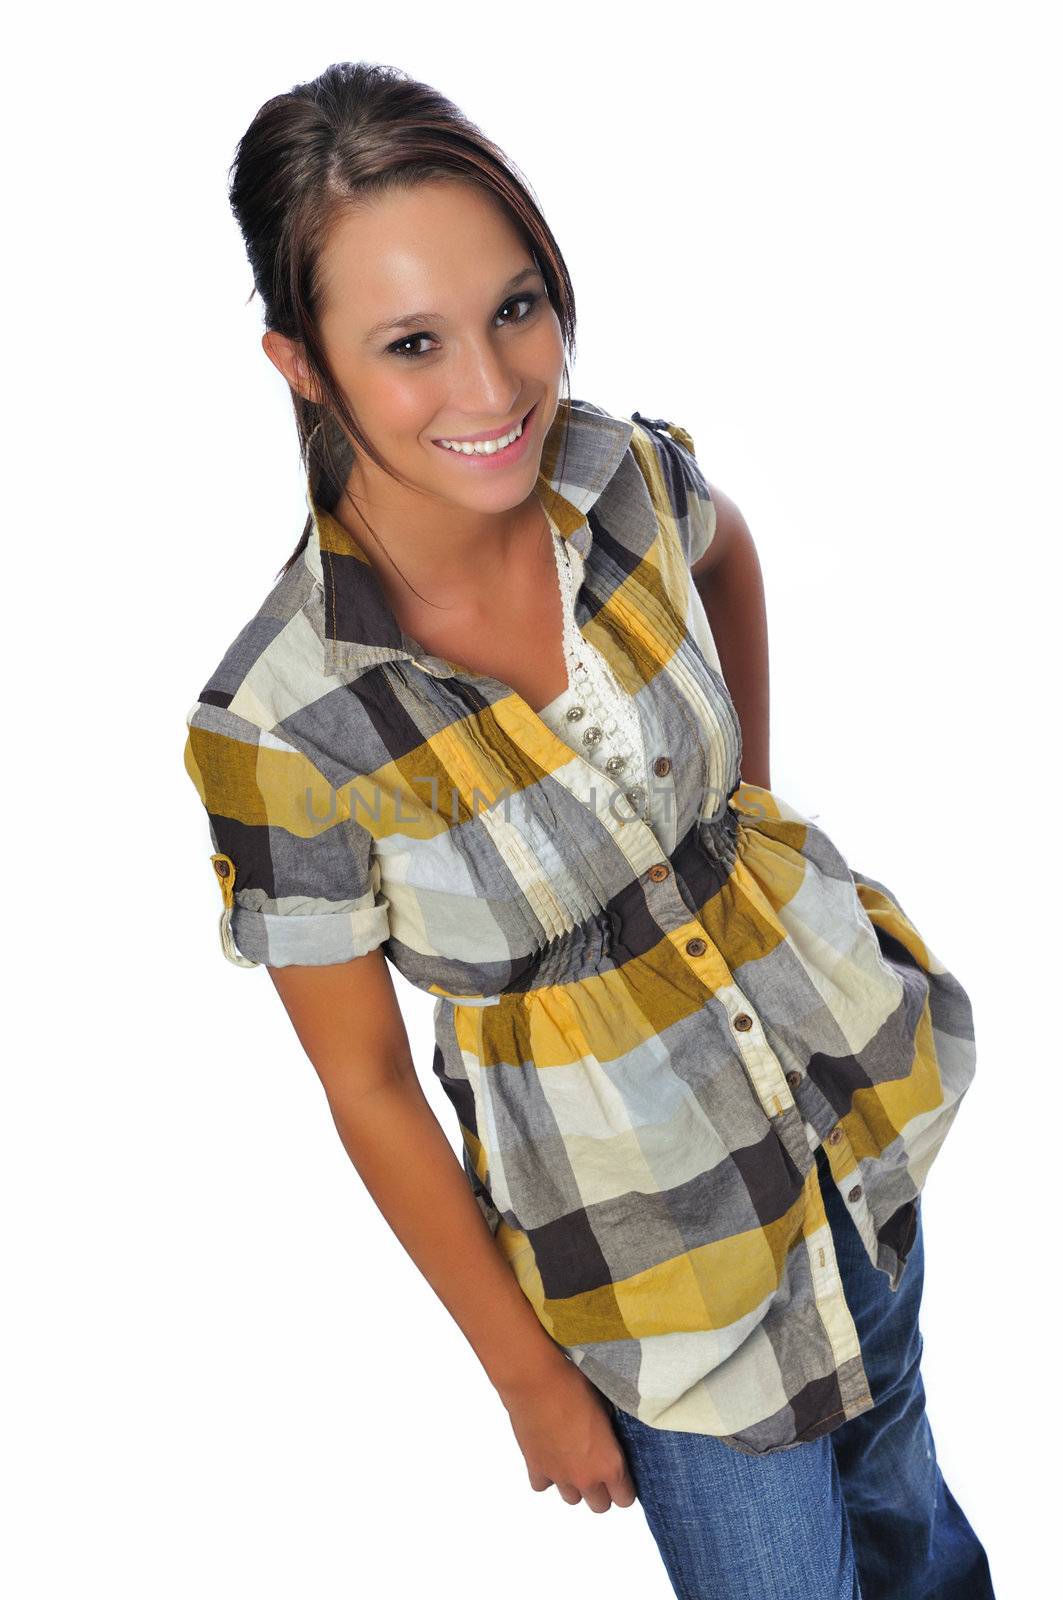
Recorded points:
(427,252)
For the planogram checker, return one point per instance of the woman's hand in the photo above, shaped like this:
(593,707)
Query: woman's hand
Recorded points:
(566,1434)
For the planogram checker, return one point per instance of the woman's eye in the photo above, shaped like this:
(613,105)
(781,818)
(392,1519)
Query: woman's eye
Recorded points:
(530,300)
(401,347)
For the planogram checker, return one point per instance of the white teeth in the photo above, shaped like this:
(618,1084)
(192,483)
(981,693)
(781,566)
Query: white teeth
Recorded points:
(483,447)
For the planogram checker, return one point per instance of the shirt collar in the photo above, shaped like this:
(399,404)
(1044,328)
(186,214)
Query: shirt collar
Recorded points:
(360,626)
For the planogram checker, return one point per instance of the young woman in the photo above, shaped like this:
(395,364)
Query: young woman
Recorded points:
(480,728)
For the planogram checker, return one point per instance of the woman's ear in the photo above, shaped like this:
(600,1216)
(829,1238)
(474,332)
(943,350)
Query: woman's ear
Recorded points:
(288,358)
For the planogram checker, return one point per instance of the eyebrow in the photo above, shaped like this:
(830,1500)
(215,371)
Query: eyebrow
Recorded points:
(414,319)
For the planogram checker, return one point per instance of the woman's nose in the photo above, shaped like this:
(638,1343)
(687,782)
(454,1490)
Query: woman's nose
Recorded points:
(485,384)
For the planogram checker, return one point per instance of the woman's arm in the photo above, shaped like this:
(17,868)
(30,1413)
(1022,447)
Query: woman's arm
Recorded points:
(348,1020)
(728,579)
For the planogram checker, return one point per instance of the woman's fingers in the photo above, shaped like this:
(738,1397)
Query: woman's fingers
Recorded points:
(622,1487)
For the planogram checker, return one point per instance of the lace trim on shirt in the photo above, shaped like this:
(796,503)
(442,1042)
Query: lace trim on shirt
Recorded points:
(592,679)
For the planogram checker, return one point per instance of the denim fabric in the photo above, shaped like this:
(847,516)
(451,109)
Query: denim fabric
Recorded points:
(862,1513)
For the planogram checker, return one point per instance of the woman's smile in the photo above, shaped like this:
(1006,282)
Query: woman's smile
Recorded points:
(490,454)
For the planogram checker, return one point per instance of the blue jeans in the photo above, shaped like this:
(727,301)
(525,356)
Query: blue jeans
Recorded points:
(862,1513)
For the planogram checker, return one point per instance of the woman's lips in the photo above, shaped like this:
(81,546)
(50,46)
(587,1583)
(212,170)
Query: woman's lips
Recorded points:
(498,458)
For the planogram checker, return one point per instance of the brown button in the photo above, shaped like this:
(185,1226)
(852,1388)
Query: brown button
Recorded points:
(696,947)
(662,766)
(221,868)
(743,1021)
(834,1135)
(855,1192)
(793,1079)
(658,872)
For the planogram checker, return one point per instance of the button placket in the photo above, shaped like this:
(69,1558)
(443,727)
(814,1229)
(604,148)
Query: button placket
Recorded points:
(574,768)
(672,915)
(765,1070)
(591,677)
(634,834)
(771,1083)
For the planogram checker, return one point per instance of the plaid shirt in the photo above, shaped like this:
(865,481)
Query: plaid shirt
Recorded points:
(648,1019)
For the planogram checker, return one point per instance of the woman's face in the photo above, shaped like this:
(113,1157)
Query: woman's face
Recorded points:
(436,324)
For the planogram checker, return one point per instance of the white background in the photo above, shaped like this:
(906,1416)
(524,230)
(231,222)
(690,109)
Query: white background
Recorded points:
(824,238)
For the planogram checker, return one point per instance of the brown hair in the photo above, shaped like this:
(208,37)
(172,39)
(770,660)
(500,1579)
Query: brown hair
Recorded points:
(358,130)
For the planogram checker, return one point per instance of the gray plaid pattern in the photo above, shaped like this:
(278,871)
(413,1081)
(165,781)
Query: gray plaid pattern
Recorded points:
(647,1022)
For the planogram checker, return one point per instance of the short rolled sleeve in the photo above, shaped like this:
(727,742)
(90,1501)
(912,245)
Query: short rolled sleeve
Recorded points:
(299,878)
(688,490)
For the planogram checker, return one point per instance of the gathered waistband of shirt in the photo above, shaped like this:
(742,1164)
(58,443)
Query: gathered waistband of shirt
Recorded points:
(587,950)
